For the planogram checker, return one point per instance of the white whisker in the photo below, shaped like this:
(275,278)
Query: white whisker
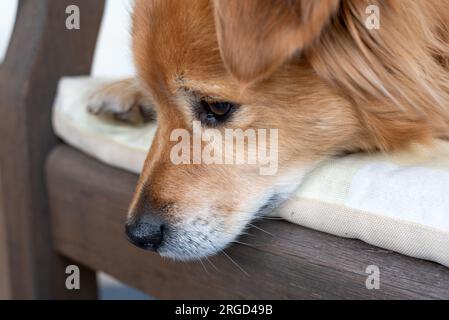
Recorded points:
(212,264)
(256,227)
(235,263)
(204,267)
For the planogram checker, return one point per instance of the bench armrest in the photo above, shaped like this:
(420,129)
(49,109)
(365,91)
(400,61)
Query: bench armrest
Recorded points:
(42,50)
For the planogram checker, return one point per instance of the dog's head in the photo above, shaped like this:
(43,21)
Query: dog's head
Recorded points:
(217,68)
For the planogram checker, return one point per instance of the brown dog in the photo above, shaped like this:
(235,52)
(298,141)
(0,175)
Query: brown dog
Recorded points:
(309,68)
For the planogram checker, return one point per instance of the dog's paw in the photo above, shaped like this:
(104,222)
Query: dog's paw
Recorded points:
(123,101)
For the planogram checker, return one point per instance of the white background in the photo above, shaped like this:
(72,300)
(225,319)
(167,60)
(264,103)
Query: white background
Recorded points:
(113,55)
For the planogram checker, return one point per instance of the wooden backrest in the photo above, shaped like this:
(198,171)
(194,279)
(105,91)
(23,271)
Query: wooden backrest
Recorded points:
(42,50)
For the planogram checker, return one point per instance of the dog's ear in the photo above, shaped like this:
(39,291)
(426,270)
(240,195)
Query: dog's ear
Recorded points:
(257,36)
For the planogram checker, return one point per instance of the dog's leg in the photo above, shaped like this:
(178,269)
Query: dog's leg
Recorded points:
(124,101)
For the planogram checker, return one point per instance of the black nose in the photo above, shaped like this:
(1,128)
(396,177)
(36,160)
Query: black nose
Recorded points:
(146,232)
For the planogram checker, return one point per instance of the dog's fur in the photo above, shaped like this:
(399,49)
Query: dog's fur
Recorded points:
(307,67)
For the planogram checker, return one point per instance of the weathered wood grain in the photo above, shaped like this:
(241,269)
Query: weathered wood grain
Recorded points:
(41,51)
(89,202)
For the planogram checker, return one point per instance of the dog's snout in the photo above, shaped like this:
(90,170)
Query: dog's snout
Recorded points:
(146,231)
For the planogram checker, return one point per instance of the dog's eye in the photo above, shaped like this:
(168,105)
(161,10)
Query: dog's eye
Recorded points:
(220,109)
(214,113)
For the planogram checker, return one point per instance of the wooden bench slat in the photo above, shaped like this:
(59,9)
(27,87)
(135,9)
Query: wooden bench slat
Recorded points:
(89,202)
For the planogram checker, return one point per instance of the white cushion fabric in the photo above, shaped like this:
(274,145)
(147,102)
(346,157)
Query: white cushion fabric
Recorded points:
(116,144)
(399,201)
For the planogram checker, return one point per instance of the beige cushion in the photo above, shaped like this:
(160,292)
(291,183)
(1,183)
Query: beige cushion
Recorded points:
(398,202)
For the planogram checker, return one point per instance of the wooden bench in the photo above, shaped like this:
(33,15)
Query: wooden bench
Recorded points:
(60,207)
